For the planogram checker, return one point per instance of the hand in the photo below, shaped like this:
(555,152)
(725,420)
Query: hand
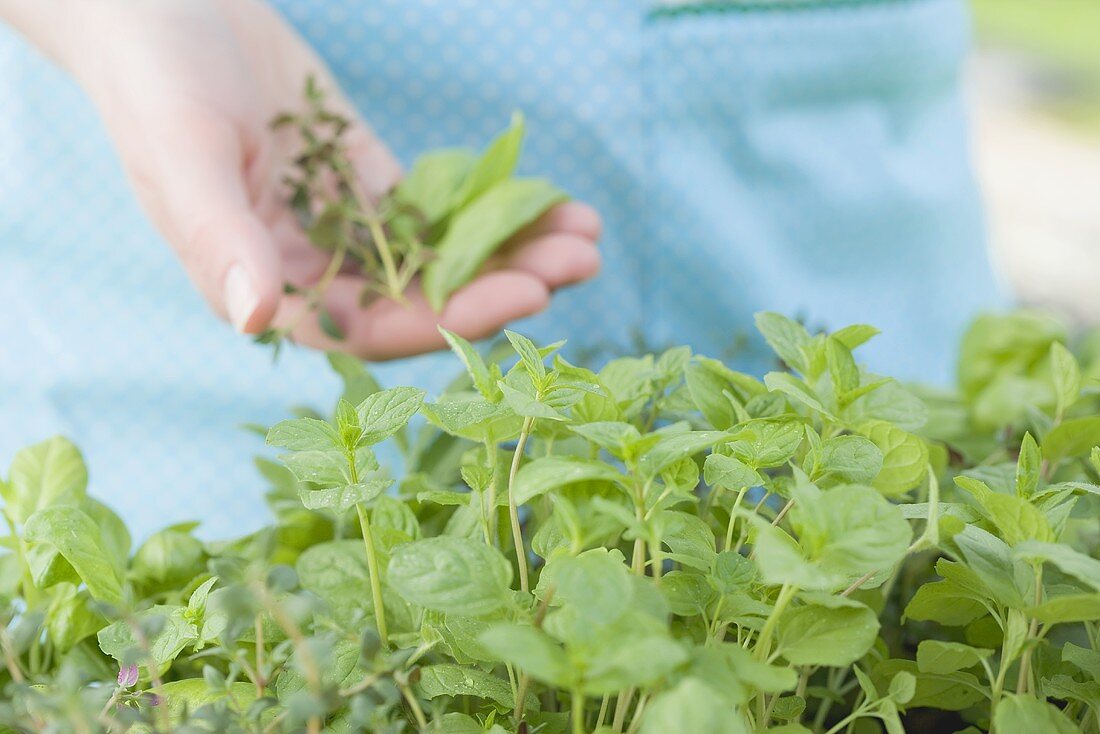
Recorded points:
(187,89)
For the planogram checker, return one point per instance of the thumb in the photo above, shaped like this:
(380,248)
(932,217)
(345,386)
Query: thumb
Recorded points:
(200,197)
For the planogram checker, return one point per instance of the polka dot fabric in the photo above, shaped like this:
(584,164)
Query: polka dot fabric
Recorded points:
(809,159)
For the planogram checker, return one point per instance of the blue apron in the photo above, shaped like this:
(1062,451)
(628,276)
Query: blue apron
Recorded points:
(804,156)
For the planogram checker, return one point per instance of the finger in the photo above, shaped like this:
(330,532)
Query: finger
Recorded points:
(571,217)
(558,260)
(197,182)
(389,330)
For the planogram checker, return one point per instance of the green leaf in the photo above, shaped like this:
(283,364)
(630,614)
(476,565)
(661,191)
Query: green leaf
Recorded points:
(1021,714)
(766,443)
(631,660)
(77,538)
(728,472)
(944,602)
(714,388)
(175,633)
(43,475)
(596,584)
(615,437)
(1084,658)
(328,467)
(451,575)
(797,390)
(447,679)
(903,687)
(1028,467)
(342,498)
(193,694)
(1072,437)
(842,367)
(674,447)
(935,656)
(855,335)
(1068,608)
(496,164)
(336,571)
(480,229)
(384,413)
(528,405)
(691,706)
(477,420)
(1066,375)
(550,472)
(850,458)
(71,618)
(815,634)
(482,378)
(433,184)
(904,457)
(951,692)
(304,434)
(843,534)
(532,651)
(169,558)
(991,560)
(1073,562)
(329,326)
(528,353)
(787,338)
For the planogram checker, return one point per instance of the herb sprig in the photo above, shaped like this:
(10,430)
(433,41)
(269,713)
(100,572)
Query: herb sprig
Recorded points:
(440,223)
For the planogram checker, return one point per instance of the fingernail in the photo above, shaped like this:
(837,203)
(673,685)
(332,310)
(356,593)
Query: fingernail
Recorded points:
(241,298)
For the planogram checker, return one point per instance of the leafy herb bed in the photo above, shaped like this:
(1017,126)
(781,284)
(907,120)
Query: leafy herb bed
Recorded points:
(698,551)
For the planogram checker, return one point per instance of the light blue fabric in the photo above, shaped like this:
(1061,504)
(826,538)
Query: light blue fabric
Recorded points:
(806,157)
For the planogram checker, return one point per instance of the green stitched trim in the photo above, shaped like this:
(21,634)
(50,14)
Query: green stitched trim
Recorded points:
(757,6)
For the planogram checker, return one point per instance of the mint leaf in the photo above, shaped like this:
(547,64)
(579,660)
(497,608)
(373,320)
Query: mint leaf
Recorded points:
(480,229)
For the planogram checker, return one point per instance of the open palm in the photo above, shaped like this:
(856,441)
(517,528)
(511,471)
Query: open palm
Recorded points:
(188,88)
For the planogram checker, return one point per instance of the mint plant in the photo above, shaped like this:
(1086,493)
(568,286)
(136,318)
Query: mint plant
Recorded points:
(442,221)
(660,545)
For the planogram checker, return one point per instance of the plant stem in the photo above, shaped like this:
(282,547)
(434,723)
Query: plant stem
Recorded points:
(621,705)
(603,710)
(1022,679)
(261,682)
(375,575)
(733,518)
(764,640)
(381,242)
(414,705)
(489,514)
(577,712)
(513,508)
(636,719)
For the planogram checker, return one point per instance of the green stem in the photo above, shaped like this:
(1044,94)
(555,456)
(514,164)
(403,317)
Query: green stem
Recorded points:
(622,703)
(381,243)
(764,641)
(513,508)
(489,514)
(375,575)
(577,712)
(414,706)
(733,518)
(1022,679)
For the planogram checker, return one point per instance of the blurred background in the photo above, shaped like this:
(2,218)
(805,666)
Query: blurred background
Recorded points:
(1034,83)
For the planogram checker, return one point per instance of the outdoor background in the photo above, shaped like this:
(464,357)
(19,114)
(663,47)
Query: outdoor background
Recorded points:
(1035,87)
